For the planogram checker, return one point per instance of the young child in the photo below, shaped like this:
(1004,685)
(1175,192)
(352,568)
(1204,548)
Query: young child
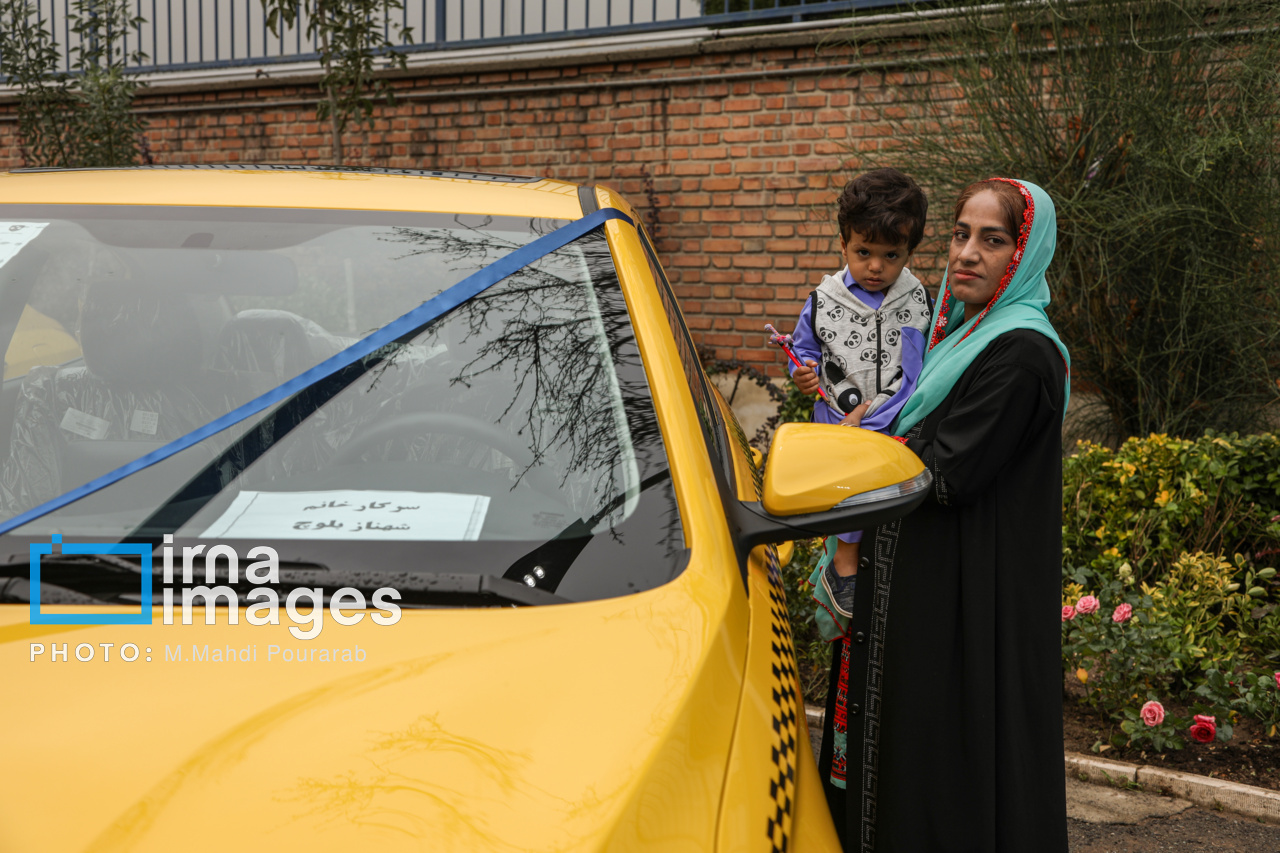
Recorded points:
(861,334)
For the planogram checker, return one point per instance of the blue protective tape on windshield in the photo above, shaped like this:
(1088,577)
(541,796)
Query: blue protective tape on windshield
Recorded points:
(432,309)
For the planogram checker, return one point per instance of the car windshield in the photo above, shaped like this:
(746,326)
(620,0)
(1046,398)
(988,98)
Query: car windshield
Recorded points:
(515,432)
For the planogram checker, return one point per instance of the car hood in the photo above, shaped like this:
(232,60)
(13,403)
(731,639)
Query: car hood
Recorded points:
(602,724)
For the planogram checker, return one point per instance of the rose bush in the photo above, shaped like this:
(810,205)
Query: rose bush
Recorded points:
(1174,537)
(1127,660)
(1204,728)
(1150,727)
(1251,694)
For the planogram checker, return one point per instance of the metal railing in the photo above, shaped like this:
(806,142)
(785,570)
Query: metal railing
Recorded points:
(182,35)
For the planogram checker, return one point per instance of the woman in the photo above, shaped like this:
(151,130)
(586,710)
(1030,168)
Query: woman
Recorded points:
(950,677)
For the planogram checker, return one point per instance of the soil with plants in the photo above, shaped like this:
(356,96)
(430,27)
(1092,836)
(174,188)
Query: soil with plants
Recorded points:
(1249,757)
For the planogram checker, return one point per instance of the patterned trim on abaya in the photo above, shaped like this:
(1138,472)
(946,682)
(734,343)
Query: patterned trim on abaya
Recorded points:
(940,489)
(886,547)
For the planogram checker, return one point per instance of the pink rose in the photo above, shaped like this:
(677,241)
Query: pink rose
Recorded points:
(1278,681)
(1069,613)
(1087,604)
(1204,729)
(1122,613)
(1152,713)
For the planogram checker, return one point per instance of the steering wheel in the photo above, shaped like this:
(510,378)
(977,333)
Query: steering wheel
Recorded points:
(408,424)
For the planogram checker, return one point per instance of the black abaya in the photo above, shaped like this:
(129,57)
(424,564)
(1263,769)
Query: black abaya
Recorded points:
(955,708)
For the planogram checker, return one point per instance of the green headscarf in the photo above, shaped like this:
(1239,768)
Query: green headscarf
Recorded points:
(1019,303)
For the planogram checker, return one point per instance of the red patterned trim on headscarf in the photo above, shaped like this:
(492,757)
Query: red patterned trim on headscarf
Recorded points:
(940,324)
(1027,219)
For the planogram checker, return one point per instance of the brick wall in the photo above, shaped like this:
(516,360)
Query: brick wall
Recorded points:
(731,150)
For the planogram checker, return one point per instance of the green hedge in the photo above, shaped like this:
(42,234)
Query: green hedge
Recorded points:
(1158,497)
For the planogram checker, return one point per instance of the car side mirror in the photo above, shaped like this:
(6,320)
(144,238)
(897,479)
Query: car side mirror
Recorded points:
(821,479)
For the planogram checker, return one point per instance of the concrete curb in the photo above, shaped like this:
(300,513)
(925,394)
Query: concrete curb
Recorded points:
(1246,800)
(1220,795)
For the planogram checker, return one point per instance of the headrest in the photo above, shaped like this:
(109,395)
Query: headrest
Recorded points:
(272,341)
(137,333)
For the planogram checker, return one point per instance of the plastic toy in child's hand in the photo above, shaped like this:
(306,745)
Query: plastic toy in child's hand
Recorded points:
(784,341)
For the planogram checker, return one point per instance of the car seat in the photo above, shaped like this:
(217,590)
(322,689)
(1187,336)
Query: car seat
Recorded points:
(266,347)
(259,350)
(141,386)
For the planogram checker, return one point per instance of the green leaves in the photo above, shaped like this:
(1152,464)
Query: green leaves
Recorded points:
(84,117)
(1195,615)
(351,37)
(813,654)
(1151,125)
(1156,498)
(1251,693)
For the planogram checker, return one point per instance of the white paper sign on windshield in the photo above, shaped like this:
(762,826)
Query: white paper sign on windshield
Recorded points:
(350,514)
(15,235)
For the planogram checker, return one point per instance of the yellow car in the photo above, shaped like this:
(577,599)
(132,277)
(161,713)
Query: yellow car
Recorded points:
(373,510)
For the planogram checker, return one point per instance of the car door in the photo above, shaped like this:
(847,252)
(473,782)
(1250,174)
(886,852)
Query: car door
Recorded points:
(773,797)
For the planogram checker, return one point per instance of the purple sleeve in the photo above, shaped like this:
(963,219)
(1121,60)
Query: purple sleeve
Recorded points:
(803,341)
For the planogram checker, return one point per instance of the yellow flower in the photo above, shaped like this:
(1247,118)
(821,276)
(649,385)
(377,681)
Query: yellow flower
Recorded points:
(1083,675)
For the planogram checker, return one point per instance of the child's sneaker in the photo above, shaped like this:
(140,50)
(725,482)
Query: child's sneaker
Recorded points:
(833,594)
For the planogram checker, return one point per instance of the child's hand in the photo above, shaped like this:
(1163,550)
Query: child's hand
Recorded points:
(854,418)
(806,378)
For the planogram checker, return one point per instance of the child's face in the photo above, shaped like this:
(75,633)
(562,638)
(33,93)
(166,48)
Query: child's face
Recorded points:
(874,266)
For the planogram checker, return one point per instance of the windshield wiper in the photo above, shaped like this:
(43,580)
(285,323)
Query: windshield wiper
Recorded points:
(120,566)
(18,591)
(113,564)
(82,579)
(119,583)
(106,578)
(432,587)
(547,564)
(510,591)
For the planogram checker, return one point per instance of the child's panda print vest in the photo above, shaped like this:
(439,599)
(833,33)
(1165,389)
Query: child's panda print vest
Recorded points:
(862,346)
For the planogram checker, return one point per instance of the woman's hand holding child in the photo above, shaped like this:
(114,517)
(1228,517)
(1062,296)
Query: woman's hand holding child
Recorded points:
(854,418)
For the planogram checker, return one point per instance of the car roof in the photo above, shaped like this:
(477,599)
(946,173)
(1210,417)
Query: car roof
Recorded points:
(235,185)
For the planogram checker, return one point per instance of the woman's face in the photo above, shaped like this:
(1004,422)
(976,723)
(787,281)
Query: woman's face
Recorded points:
(981,248)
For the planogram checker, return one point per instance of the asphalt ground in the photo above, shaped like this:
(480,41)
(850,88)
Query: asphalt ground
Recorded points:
(1103,819)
